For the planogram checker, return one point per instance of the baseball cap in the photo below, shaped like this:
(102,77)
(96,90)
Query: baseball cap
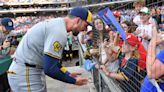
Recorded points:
(117,14)
(145,10)
(89,29)
(133,41)
(83,13)
(7,23)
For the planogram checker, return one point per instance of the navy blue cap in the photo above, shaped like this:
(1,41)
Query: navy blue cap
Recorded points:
(7,23)
(83,13)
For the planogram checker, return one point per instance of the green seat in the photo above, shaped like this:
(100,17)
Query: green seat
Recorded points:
(4,64)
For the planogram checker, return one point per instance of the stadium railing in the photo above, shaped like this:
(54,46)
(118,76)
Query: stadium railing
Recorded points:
(104,83)
(101,81)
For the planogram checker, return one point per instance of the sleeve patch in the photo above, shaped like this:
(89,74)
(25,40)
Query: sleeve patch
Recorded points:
(57,46)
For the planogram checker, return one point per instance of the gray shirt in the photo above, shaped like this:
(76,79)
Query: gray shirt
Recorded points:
(47,37)
(2,38)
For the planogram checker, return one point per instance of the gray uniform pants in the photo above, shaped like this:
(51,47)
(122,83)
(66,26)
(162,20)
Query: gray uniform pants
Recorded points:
(26,79)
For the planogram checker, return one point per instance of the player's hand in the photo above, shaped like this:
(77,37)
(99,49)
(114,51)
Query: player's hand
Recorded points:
(81,81)
(74,75)
(6,44)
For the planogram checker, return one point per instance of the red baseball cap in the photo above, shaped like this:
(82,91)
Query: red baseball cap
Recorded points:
(133,41)
(117,14)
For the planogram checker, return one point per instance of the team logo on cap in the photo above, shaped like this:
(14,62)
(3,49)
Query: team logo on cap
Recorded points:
(10,23)
(57,46)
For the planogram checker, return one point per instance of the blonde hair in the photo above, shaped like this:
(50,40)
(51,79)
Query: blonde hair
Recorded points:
(136,54)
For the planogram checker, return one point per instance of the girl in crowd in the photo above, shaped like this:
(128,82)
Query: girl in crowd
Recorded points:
(113,47)
(129,27)
(115,43)
(100,28)
(135,57)
(99,34)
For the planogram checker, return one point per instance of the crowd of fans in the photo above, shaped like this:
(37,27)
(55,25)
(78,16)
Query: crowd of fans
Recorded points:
(126,61)
(26,1)
(53,0)
(24,23)
(132,62)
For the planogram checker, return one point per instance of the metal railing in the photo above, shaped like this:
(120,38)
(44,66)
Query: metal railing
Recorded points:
(104,83)
(101,81)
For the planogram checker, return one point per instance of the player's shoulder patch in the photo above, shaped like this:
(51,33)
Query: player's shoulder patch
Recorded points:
(57,46)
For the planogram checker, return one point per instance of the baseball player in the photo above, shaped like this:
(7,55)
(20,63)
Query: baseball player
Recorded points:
(41,49)
(6,26)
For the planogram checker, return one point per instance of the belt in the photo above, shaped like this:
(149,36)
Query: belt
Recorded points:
(29,65)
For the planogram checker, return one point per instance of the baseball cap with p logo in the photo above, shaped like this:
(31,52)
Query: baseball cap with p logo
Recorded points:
(83,13)
(7,23)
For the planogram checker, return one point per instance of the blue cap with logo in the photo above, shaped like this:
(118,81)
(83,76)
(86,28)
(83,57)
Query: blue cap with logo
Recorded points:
(7,23)
(83,13)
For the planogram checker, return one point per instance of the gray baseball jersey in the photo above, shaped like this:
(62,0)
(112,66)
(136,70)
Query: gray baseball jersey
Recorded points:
(47,37)
(3,36)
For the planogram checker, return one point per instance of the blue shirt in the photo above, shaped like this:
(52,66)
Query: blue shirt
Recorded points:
(147,86)
(160,56)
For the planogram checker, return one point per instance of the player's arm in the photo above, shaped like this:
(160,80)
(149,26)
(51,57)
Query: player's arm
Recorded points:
(52,52)
(53,68)
(154,64)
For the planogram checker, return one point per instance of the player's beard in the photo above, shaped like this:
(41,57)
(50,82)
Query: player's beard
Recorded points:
(75,33)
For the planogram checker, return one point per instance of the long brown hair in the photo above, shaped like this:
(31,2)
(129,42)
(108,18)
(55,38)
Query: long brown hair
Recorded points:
(131,26)
(96,18)
(102,33)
